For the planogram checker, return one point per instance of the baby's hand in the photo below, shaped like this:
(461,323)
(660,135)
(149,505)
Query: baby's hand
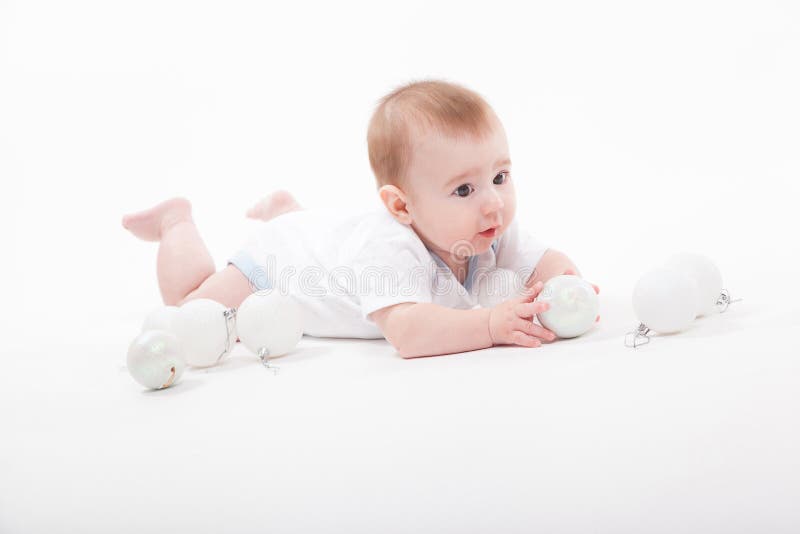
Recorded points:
(596,289)
(511,322)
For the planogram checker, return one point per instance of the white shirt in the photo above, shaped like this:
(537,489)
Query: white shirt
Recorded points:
(341,267)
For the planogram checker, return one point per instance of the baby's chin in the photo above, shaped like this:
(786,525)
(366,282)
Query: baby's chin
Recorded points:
(482,244)
(474,245)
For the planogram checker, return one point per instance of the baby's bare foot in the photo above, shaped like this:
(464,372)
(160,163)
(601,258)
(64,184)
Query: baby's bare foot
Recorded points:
(274,204)
(151,224)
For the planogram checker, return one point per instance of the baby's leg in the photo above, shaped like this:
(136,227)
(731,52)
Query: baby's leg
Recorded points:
(183,262)
(228,286)
(274,204)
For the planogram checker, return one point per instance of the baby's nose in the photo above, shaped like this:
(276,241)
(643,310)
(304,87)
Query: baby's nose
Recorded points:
(492,203)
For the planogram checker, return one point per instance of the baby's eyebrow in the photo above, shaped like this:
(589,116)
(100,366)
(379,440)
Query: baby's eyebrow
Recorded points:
(472,172)
(503,162)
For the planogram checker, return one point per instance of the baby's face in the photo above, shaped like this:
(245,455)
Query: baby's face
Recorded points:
(460,193)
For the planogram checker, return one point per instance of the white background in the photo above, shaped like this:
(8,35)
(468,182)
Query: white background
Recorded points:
(637,129)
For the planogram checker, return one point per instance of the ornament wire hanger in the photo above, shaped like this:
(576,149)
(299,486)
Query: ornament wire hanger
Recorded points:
(263,353)
(230,320)
(637,337)
(725,300)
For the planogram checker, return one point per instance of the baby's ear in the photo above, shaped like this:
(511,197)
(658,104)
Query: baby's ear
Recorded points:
(395,201)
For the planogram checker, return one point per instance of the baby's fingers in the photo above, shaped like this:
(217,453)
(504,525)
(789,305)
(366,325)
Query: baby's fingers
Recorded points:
(531,292)
(529,309)
(521,338)
(533,329)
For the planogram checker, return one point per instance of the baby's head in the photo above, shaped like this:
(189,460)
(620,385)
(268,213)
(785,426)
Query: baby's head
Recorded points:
(441,160)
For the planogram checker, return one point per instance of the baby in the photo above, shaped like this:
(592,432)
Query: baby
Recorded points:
(412,271)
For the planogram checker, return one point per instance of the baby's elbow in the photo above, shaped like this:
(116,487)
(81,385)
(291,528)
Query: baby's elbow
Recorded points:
(402,344)
(405,352)
(394,328)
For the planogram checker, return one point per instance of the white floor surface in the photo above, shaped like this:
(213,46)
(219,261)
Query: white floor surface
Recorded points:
(693,432)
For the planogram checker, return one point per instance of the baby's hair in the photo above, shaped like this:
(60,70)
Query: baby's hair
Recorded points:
(445,107)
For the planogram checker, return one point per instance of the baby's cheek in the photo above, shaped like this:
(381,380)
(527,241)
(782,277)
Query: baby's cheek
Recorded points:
(510,205)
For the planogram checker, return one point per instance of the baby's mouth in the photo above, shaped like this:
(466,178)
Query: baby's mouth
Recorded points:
(489,232)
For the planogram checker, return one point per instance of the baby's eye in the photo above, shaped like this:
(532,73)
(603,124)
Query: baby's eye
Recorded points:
(501,178)
(463,190)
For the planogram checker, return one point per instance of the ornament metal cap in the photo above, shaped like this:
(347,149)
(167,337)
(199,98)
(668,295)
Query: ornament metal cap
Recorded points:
(725,300)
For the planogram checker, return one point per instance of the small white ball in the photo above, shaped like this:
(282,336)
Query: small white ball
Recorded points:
(155,359)
(665,300)
(205,334)
(573,305)
(705,274)
(269,321)
(160,319)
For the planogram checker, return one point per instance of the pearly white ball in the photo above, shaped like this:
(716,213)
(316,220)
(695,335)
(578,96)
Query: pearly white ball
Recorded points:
(573,305)
(160,319)
(665,300)
(705,274)
(205,333)
(269,321)
(155,359)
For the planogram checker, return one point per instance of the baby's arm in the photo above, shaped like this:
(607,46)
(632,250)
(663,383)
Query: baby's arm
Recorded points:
(425,329)
(552,263)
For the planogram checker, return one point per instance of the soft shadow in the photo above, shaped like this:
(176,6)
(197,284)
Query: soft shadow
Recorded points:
(184,385)
(245,358)
(718,324)
(300,354)
(714,325)
(231,363)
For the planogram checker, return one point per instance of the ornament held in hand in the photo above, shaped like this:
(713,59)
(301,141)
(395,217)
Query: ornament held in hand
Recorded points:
(573,305)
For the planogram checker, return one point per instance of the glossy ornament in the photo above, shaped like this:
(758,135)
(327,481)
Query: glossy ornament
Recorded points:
(269,324)
(665,300)
(205,330)
(706,276)
(573,305)
(155,359)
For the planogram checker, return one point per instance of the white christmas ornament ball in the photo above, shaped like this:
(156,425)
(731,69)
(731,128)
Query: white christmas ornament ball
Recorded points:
(665,300)
(206,335)
(155,359)
(705,274)
(269,321)
(160,319)
(573,305)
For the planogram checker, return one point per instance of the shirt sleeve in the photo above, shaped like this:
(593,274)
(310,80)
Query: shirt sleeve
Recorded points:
(519,251)
(392,272)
